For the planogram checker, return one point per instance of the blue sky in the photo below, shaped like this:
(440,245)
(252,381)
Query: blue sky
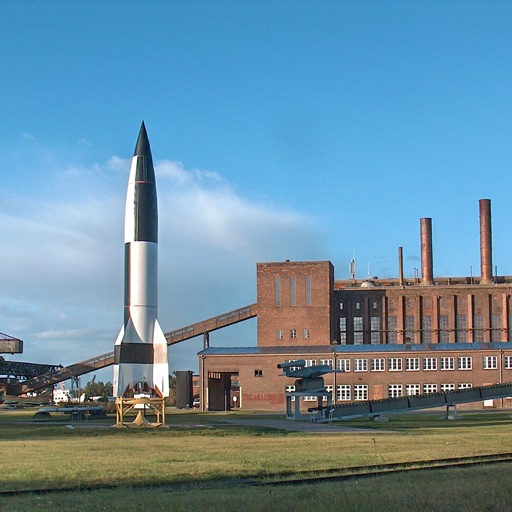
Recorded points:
(297,130)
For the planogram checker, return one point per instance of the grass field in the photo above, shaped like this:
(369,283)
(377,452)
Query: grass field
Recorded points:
(209,455)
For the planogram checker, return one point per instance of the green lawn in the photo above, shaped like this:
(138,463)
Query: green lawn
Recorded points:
(200,449)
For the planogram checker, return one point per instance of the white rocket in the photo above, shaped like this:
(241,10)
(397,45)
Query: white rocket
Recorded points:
(140,356)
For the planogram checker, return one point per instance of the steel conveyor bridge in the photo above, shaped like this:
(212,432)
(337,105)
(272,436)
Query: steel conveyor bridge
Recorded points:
(372,408)
(19,369)
(177,336)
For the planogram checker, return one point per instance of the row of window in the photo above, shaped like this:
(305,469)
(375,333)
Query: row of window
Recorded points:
(409,304)
(358,330)
(461,328)
(411,364)
(397,390)
(292,290)
(306,333)
(357,305)
(347,392)
(353,333)
(444,303)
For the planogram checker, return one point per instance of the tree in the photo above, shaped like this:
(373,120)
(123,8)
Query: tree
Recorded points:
(94,389)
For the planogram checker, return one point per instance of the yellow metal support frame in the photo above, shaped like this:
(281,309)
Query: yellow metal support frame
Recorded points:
(144,407)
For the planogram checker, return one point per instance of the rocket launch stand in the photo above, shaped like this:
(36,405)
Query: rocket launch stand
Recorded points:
(144,406)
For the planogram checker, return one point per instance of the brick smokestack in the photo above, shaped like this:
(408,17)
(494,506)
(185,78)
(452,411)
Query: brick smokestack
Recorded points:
(485,242)
(400,266)
(427,273)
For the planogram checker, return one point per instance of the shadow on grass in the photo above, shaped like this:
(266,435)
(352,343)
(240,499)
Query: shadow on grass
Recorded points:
(66,430)
(433,420)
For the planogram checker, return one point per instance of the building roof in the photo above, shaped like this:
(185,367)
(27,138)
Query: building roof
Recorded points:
(353,349)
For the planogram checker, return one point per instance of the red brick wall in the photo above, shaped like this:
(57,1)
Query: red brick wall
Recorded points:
(267,392)
(315,317)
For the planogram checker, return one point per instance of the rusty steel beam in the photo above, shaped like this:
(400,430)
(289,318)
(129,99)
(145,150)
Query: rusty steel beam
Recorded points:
(212,324)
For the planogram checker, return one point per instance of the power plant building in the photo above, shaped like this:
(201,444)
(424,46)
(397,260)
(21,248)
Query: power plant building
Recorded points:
(387,337)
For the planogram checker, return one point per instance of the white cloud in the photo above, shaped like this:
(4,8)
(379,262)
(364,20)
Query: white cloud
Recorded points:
(176,172)
(118,164)
(62,275)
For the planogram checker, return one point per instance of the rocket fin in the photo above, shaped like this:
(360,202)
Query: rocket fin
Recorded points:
(115,382)
(160,364)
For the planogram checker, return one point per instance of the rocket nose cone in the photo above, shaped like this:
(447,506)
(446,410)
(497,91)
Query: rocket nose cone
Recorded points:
(142,147)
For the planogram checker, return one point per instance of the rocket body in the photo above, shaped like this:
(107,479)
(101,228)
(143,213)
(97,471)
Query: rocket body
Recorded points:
(140,355)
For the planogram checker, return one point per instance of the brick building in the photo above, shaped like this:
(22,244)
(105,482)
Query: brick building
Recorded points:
(391,337)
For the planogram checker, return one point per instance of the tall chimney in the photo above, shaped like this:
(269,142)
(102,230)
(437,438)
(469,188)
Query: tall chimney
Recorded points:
(427,275)
(485,242)
(400,266)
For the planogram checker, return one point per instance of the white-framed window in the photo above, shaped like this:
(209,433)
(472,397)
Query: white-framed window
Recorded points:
(490,362)
(290,389)
(279,334)
(377,364)
(412,364)
(465,385)
(395,364)
(343,392)
(412,389)
(430,363)
(293,334)
(310,362)
(307,333)
(328,362)
(329,388)
(360,391)
(310,398)
(465,363)
(508,362)
(447,363)
(360,365)
(429,388)
(343,365)
(447,387)
(293,368)
(395,390)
